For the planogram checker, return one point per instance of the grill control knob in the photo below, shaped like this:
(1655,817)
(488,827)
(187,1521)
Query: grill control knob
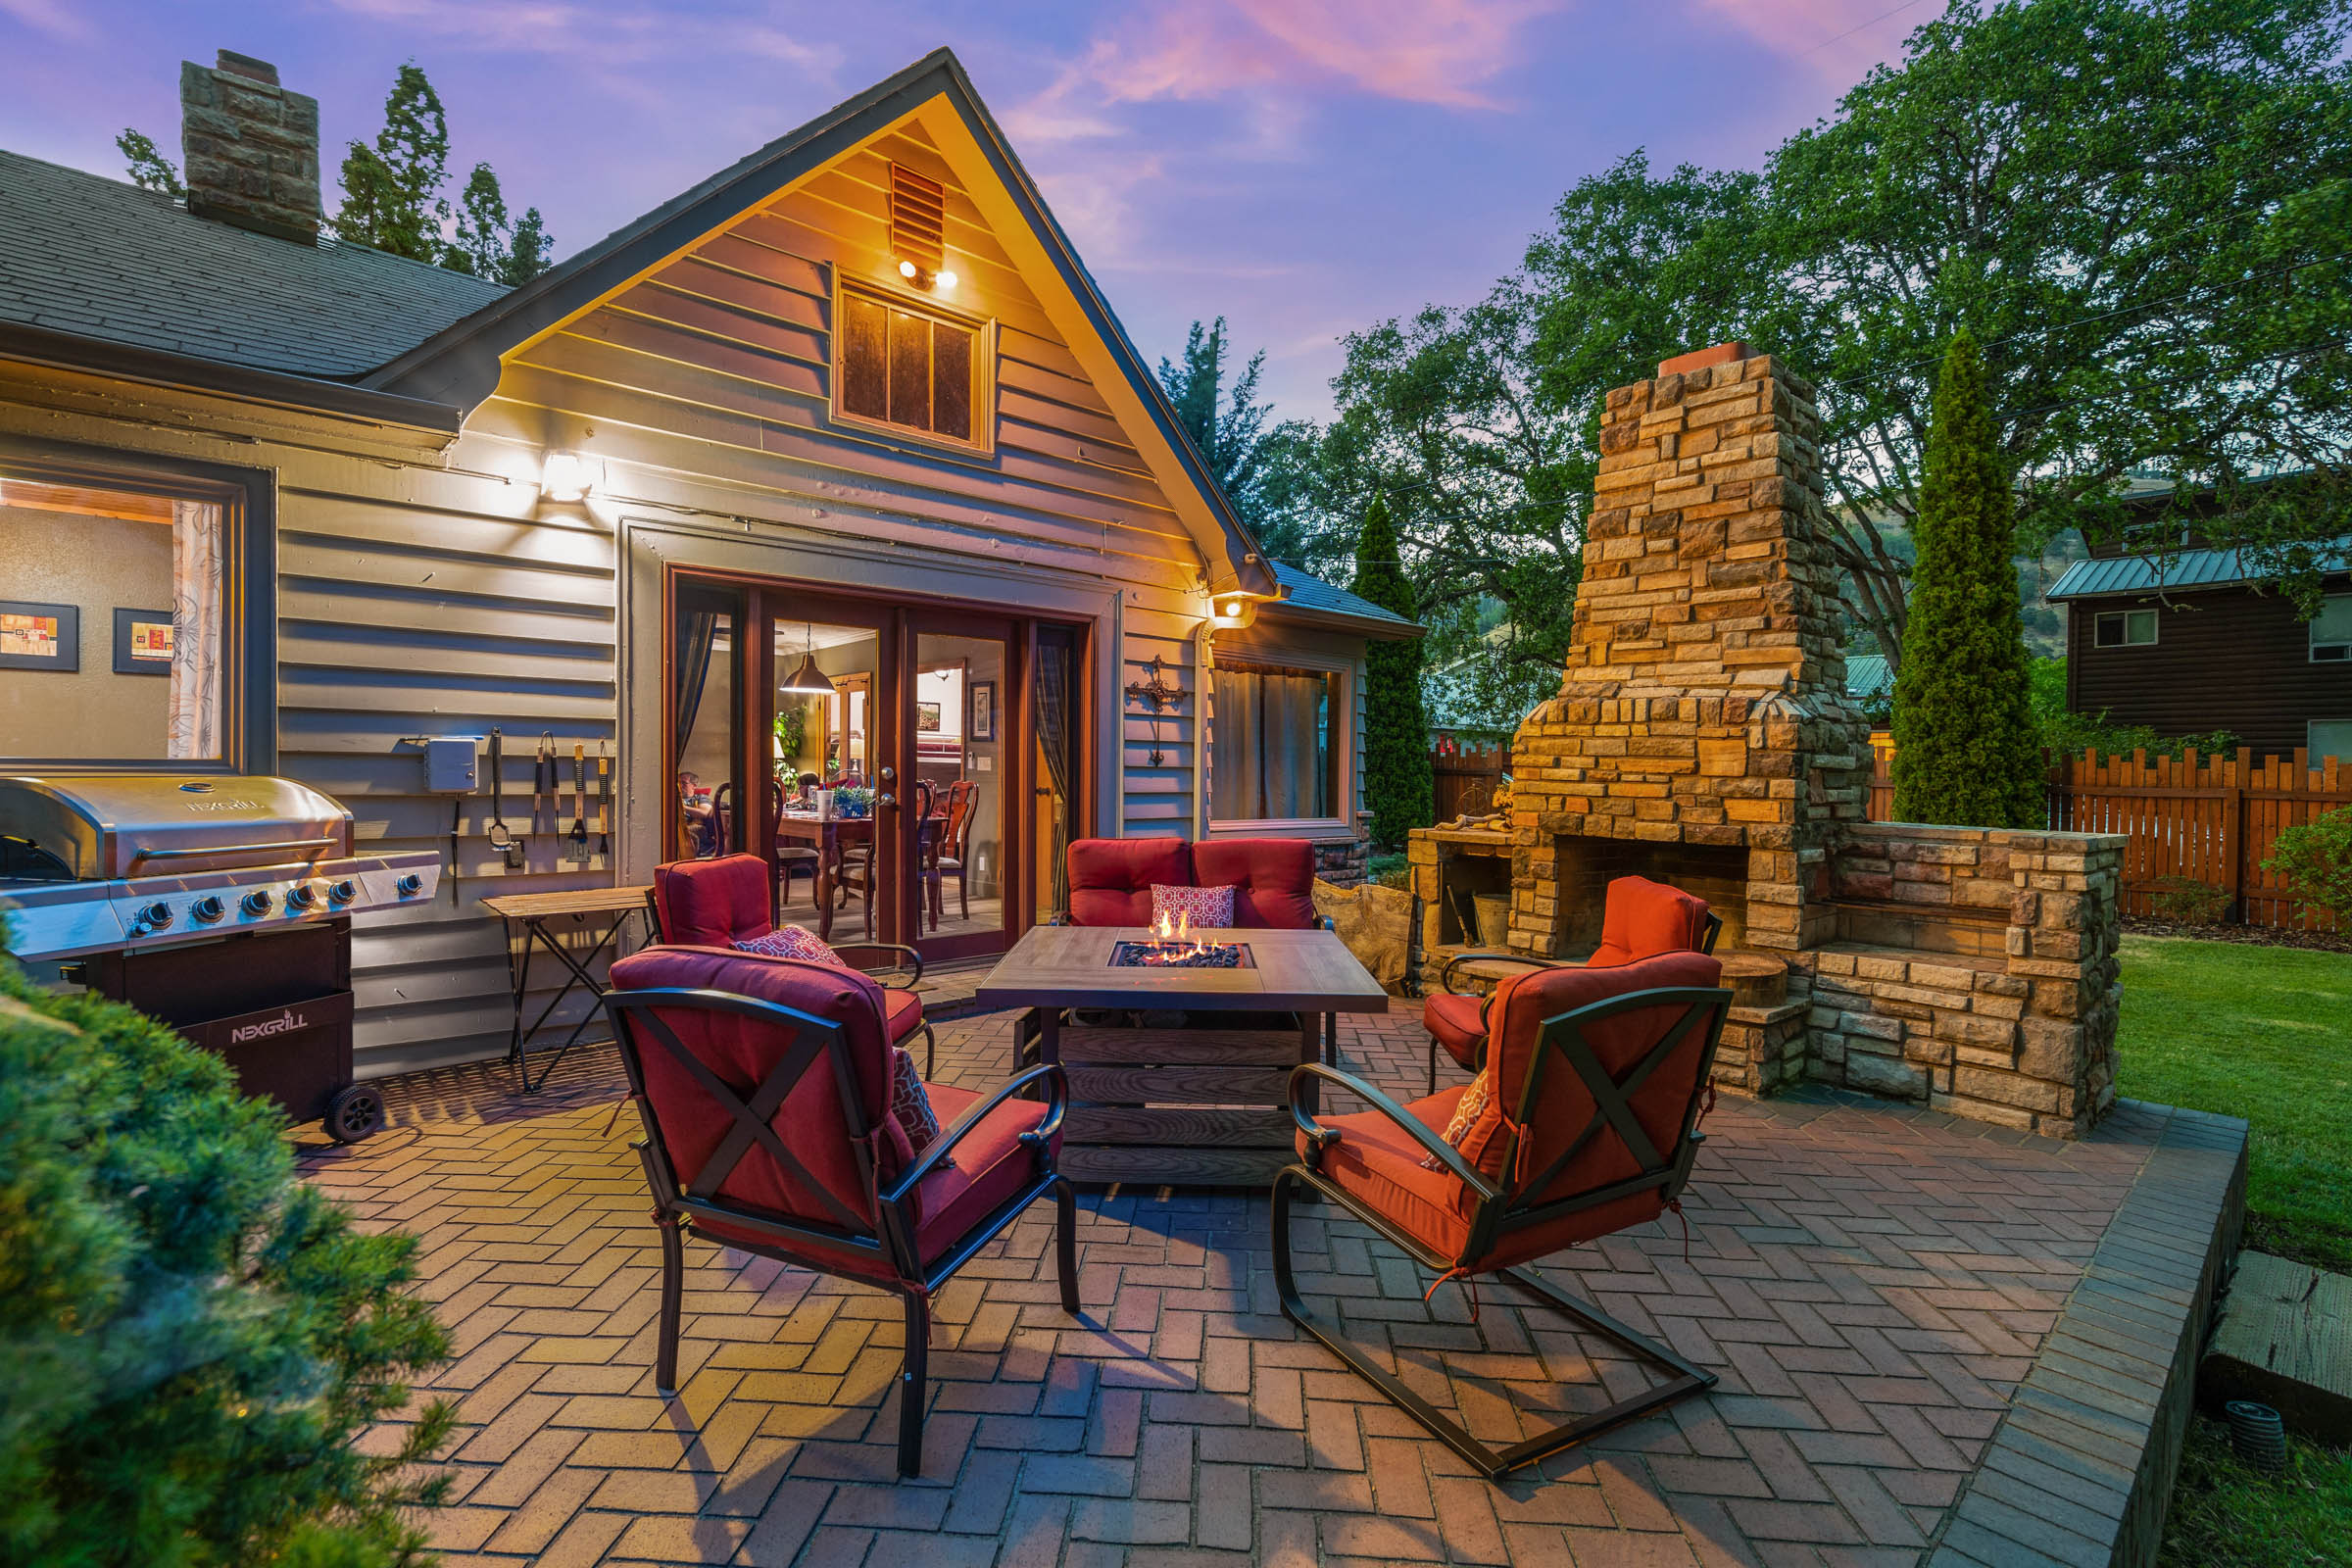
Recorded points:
(257,902)
(411,885)
(208,909)
(343,891)
(300,897)
(156,915)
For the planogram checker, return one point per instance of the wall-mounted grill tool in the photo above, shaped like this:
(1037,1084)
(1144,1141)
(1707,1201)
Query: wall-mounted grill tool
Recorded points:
(501,839)
(603,799)
(575,844)
(547,788)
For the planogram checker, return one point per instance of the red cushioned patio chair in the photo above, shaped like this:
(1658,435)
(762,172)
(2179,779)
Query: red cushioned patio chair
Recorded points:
(764,1087)
(1593,1127)
(716,904)
(1639,919)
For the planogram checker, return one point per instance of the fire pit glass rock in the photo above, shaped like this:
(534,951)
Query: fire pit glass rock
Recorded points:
(1192,955)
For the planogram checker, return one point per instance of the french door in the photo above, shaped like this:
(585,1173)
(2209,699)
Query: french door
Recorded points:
(904,788)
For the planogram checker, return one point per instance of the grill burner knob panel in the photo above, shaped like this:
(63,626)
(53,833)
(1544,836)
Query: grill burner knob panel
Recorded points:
(299,898)
(208,909)
(257,902)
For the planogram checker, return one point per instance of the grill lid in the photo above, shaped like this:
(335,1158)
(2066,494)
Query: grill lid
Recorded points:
(105,826)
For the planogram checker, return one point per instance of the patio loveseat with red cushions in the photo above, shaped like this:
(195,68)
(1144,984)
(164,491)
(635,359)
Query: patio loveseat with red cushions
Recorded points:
(1273,880)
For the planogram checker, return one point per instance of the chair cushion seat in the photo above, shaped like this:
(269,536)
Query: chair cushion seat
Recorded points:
(1378,1161)
(901,1013)
(1459,1025)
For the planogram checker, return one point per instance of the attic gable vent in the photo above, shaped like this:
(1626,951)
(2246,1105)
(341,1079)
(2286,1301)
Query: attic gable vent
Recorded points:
(919,215)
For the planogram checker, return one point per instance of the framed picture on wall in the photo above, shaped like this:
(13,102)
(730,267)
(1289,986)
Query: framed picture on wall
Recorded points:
(39,636)
(983,726)
(926,717)
(142,642)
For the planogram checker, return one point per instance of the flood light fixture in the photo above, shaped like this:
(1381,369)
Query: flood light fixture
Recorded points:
(568,477)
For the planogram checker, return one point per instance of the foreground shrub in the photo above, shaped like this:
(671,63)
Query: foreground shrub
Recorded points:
(190,1337)
(2317,857)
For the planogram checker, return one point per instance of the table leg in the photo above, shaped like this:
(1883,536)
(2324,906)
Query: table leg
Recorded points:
(824,888)
(581,975)
(1310,1048)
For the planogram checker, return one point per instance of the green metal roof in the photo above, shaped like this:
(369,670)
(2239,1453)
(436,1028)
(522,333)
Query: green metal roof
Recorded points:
(1303,591)
(2186,568)
(1867,676)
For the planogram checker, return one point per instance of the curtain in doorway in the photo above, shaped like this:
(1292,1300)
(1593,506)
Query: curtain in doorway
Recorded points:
(1054,741)
(698,635)
(193,726)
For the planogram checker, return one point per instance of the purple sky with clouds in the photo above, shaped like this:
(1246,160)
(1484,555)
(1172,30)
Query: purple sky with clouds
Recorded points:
(1302,167)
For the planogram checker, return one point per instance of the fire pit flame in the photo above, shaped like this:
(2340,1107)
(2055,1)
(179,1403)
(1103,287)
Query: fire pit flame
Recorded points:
(1175,946)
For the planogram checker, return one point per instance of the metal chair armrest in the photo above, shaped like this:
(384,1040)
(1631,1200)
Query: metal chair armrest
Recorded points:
(913,959)
(1322,1137)
(1059,1093)
(1445,975)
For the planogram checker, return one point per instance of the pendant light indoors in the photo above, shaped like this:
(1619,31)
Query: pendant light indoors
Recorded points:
(808,679)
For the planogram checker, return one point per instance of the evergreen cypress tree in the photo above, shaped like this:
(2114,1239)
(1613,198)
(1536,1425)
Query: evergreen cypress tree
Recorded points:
(1964,734)
(392,191)
(1398,787)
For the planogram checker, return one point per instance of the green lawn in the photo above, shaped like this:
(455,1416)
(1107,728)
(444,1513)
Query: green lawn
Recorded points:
(2263,1033)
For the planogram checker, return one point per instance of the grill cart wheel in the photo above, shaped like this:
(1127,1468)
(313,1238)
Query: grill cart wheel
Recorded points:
(355,1111)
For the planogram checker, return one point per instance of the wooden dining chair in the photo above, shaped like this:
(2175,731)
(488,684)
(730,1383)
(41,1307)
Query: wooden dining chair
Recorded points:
(953,855)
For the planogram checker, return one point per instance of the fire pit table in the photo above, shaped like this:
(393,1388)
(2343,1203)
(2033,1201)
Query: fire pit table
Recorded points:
(1204,1102)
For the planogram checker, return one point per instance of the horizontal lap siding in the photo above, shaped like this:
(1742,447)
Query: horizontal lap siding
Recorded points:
(2227,659)
(399,620)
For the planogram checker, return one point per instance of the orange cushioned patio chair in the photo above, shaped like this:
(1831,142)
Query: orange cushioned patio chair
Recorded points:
(765,1089)
(1639,919)
(1590,1126)
(716,904)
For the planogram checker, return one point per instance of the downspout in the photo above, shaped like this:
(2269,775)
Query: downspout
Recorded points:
(1205,660)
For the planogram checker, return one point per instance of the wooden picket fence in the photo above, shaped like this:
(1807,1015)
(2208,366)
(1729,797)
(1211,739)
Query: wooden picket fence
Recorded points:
(1466,778)
(2207,821)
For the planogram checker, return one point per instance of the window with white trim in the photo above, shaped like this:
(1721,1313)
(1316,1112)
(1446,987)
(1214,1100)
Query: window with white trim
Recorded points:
(2124,628)
(1275,741)
(2331,631)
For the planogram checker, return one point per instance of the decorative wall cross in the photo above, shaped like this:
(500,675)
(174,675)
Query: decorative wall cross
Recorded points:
(1162,693)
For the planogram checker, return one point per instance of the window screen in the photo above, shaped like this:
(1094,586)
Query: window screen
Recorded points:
(1272,738)
(906,368)
(2332,737)
(2126,629)
(2331,631)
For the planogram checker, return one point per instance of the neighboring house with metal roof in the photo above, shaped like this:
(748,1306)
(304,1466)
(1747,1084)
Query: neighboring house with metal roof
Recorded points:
(854,402)
(2191,642)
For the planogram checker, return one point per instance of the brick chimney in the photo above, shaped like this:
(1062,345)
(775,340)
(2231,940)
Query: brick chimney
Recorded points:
(251,148)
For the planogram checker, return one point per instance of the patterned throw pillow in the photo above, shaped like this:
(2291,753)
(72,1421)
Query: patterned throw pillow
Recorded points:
(911,1105)
(792,942)
(1210,908)
(1466,1114)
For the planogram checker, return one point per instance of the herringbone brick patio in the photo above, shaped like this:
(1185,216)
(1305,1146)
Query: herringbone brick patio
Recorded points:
(1870,1283)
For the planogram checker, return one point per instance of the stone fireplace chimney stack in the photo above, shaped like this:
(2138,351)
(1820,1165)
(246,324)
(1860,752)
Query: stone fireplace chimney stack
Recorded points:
(1702,734)
(251,148)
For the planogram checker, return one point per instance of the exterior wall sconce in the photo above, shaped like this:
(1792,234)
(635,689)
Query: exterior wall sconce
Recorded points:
(570,477)
(1231,612)
(924,278)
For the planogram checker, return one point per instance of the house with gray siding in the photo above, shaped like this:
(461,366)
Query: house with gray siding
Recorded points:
(834,473)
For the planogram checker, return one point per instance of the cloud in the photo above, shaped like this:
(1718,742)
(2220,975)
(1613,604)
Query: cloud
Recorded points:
(1840,37)
(610,40)
(46,15)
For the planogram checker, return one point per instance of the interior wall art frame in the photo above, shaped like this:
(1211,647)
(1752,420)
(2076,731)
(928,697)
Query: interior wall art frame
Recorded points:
(36,636)
(143,642)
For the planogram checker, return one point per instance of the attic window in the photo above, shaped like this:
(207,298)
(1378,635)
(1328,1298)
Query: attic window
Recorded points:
(912,367)
(919,219)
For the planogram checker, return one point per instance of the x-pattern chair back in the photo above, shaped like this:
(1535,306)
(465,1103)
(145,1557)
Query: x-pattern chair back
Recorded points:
(751,1120)
(1564,1040)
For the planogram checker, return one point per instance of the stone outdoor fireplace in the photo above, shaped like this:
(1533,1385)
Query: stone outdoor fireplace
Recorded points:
(1702,736)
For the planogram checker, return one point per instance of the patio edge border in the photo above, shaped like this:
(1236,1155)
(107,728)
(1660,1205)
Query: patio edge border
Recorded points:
(2079,1470)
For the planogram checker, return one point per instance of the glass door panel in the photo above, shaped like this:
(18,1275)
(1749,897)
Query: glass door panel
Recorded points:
(965,768)
(825,825)
(705,719)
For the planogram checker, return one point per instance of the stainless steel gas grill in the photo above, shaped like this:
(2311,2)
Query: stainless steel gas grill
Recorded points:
(221,904)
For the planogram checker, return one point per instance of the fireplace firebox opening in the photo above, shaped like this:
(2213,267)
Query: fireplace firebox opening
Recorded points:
(1717,873)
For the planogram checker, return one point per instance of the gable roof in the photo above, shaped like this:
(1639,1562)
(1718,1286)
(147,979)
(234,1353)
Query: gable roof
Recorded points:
(89,261)
(1307,597)
(1867,676)
(2114,575)
(462,363)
